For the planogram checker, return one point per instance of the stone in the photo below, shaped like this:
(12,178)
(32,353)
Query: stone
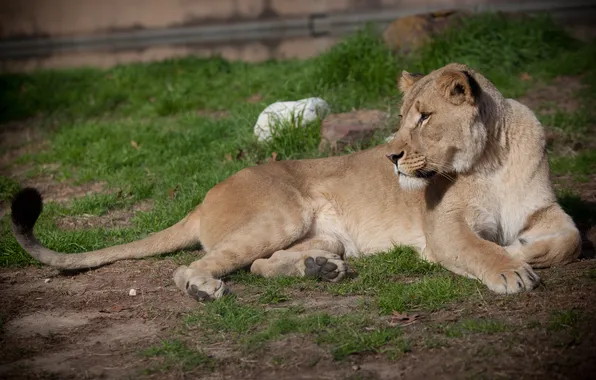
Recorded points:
(281,114)
(347,129)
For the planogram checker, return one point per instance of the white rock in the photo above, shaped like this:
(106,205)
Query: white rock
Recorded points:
(303,111)
(47,280)
(132,292)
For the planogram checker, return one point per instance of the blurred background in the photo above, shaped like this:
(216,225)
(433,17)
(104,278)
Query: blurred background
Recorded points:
(72,33)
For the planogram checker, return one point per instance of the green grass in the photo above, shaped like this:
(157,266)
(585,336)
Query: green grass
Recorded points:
(591,274)
(400,281)
(430,293)
(563,319)
(474,326)
(273,295)
(343,335)
(228,315)
(575,122)
(175,354)
(384,281)
(583,163)
(8,187)
(362,61)
(396,280)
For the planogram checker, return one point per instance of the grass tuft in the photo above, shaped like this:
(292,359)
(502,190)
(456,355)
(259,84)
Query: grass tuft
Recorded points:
(344,335)
(583,163)
(485,326)
(429,293)
(227,315)
(176,354)
(361,59)
(8,188)
(400,280)
(563,319)
(290,142)
(273,294)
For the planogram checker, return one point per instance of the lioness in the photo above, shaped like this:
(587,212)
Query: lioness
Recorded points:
(466,183)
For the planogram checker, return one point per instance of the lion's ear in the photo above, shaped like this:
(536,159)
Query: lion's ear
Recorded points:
(407,80)
(458,87)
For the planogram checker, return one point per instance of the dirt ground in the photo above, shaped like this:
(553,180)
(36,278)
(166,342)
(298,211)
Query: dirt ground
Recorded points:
(87,325)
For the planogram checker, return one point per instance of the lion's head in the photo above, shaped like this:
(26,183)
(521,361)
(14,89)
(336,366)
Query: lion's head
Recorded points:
(441,129)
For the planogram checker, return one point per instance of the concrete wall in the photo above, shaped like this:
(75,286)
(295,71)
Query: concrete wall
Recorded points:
(103,32)
(42,18)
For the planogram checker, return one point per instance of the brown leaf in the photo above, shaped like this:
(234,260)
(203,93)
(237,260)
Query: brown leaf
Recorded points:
(525,77)
(273,157)
(402,319)
(134,144)
(229,157)
(172,192)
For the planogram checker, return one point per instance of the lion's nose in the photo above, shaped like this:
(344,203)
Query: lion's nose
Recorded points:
(395,157)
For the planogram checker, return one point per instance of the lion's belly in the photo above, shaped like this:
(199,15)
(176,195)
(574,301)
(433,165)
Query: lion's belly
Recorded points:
(371,242)
(365,236)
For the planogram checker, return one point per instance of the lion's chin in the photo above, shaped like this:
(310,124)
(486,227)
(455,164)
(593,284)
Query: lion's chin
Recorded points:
(410,183)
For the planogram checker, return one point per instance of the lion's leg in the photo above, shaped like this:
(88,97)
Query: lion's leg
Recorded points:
(550,238)
(319,257)
(240,248)
(454,245)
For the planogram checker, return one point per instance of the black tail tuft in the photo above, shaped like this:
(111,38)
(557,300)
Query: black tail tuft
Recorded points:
(26,208)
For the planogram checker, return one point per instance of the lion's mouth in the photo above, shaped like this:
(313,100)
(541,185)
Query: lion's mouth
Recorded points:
(425,173)
(420,174)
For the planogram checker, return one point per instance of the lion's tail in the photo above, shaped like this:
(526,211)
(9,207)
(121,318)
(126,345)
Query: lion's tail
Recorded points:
(28,204)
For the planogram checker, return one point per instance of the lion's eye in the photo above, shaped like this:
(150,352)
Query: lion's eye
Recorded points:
(424,116)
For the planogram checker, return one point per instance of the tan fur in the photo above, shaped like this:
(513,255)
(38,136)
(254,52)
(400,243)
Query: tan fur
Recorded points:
(490,213)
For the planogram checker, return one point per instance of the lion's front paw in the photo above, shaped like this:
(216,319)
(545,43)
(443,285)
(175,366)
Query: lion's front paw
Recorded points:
(327,267)
(512,279)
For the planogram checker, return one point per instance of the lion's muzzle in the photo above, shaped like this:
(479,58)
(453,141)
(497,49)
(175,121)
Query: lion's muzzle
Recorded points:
(411,166)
